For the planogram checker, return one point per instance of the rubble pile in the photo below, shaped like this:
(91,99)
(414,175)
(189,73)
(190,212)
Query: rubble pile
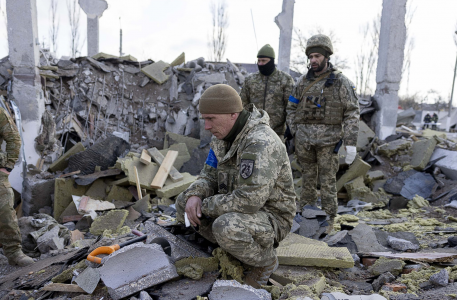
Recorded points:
(98,227)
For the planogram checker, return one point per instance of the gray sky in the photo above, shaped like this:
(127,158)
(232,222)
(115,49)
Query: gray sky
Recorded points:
(161,30)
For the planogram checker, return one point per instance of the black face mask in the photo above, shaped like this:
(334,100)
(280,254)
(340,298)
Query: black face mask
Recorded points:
(268,68)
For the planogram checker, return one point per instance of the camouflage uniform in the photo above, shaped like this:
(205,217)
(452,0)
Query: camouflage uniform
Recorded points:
(247,191)
(269,93)
(318,129)
(10,236)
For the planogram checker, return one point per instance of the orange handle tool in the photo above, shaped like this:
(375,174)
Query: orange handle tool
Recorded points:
(110,249)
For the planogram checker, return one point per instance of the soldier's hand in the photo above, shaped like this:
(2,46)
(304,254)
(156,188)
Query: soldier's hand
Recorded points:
(4,171)
(194,210)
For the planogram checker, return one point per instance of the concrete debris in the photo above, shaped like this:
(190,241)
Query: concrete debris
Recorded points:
(232,289)
(88,280)
(155,71)
(358,168)
(447,165)
(441,278)
(393,148)
(401,245)
(383,265)
(384,278)
(112,220)
(338,295)
(140,271)
(420,184)
(365,239)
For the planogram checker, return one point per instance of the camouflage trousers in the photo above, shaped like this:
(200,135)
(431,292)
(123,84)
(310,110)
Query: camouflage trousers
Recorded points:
(323,163)
(10,236)
(248,237)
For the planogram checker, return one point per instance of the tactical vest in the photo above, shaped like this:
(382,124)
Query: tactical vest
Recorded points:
(321,104)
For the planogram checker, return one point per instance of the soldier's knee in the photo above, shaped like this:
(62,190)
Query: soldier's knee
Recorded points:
(221,224)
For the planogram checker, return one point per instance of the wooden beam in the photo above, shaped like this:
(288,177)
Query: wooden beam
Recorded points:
(164,170)
(158,158)
(145,157)
(62,287)
(137,180)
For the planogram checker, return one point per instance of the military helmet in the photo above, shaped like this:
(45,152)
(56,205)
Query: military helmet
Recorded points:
(319,41)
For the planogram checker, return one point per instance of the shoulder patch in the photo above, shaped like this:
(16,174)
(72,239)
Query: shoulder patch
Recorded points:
(246,168)
(211,160)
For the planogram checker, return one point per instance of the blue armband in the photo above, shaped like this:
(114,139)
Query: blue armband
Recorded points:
(211,160)
(293,99)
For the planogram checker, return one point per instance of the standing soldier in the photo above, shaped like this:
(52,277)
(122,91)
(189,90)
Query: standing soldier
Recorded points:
(269,89)
(244,198)
(10,236)
(322,113)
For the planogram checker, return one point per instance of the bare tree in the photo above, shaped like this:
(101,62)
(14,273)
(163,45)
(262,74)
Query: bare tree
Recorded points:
(367,57)
(73,16)
(55,24)
(300,62)
(217,42)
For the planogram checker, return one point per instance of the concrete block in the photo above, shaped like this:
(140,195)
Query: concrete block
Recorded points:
(62,162)
(36,194)
(358,168)
(88,280)
(232,289)
(354,185)
(421,153)
(299,254)
(392,148)
(383,265)
(179,60)
(395,184)
(119,193)
(50,241)
(365,239)
(381,280)
(365,136)
(441,278)
(401,244)
(139,271)
(112,220)
(63,190)
(155,71)
(373,176)
(145,296)
(447,165)
(172,189)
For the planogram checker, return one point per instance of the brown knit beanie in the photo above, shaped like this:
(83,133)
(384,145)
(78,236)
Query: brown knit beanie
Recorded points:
(220,99)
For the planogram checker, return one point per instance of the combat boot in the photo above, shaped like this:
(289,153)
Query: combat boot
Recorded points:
(259,276)
(20,259)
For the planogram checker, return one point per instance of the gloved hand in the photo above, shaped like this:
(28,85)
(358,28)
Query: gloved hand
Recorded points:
(351,153)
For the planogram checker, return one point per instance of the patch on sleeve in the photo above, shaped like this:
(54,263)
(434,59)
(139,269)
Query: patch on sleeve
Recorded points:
(211,160)
(246,168)
(293,99)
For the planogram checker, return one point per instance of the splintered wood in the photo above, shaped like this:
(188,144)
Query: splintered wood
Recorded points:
(137,180)
(145,157)
(164,170)
(158,158)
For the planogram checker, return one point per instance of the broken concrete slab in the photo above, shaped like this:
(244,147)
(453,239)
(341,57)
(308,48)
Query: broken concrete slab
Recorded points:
(395,184)
(97,190)
(36,194)
(364,137)
(88,280)
(393,148)
(309,227)
(140,271)
(447,165)
(421,152)
(365,238)
(119,193)
(50,241)
(232,289)
(381,280)
(172,189)
(420,184)
(401,244)
(112,220)
(441,278)
(301,254)
(62,162)
(173,138)
(155,71)
(103,154)
(63,190)
(382,237)
(338,295)
(186,289)
(358,168)
(383,265)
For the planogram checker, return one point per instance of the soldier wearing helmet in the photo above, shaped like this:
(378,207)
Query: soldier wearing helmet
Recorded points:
(322,113)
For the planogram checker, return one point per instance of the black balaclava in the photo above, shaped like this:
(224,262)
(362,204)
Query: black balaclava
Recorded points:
(268,68)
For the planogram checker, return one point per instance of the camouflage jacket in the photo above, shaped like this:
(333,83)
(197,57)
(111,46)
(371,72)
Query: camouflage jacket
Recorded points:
(269,93)
(9,134)
(253,174)
(343,92)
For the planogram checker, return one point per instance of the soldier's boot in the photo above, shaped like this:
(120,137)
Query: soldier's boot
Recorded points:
(329,229)
(20,259)
(259,276)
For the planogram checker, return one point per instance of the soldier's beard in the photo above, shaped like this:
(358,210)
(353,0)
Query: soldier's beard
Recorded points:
(320,67)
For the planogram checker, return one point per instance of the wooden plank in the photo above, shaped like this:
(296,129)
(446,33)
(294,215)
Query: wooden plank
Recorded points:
(137,180)
(158,158)
(63,287)
(70,174)
(164,170)
(145,157)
